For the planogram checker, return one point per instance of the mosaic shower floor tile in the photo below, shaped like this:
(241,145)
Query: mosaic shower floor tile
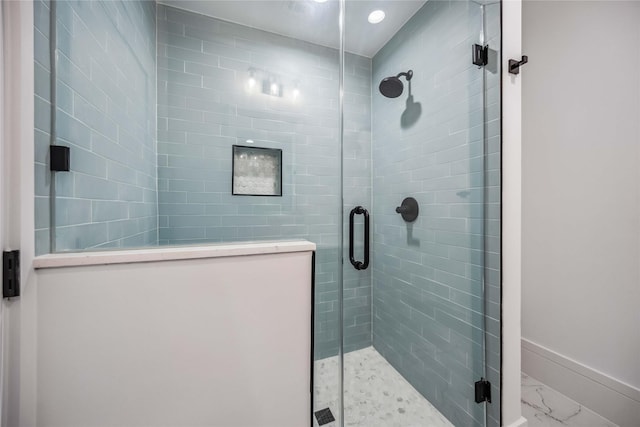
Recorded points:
(376,395)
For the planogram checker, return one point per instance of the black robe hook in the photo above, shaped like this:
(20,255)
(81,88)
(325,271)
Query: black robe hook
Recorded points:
(514,66)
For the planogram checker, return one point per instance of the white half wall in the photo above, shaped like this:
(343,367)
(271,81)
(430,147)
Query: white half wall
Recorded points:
(221,341)
(581,188)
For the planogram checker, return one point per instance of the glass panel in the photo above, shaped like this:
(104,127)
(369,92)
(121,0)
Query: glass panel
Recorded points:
(492,261)
(104,76)
(151,99)
(421,121)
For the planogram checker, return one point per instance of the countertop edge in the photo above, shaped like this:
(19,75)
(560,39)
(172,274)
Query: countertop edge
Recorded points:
(173,253)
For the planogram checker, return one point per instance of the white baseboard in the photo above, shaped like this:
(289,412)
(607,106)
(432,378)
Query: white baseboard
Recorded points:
(520,422)
(612,399)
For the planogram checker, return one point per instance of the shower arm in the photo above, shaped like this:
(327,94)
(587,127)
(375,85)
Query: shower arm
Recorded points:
(408,75)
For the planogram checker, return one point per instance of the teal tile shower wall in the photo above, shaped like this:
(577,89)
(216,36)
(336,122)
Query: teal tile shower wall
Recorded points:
(106,113)
(428,311)
(205,105)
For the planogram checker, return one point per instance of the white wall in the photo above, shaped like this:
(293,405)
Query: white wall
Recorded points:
(511,215)
(2,205)
(222,341)
(19,395)
(581,184)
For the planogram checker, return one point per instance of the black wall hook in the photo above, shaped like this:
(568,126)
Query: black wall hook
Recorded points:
(514,66)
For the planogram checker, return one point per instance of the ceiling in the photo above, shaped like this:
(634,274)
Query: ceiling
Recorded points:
(312,21)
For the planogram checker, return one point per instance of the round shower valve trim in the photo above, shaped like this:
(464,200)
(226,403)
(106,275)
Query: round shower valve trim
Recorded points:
(409,209)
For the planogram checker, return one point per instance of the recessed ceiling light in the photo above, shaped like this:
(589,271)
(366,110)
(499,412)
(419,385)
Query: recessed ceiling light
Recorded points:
(320,1)
(376,16)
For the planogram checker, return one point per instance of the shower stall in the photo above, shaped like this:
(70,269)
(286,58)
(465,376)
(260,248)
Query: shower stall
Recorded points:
(199,122)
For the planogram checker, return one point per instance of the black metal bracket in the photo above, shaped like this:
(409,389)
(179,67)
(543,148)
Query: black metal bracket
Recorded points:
(514,66)
(480,55)
(11,274)
(483,391)
(59,158)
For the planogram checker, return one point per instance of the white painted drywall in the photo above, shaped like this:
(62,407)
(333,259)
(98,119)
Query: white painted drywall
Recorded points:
(2,206)
(223,341)
(19,345)
(614,400)
(581,183)
(511,215)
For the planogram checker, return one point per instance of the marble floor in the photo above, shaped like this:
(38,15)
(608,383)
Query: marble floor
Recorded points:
(542,406)
(375,394)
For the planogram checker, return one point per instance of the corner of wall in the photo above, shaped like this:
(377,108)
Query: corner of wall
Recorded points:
(511,214)
(601,393)
(19,397)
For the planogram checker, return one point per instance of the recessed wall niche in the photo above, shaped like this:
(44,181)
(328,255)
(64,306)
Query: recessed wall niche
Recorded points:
(257,171)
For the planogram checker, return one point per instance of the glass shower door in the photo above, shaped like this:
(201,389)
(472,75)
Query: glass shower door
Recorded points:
(421,175)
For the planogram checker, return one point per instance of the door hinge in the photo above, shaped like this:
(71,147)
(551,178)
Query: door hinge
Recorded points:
(10,274)
(480,54)
(483,391)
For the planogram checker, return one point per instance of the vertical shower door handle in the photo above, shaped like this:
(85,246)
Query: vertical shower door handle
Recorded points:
(359,265)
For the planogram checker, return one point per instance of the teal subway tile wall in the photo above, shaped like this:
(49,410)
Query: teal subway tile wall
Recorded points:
(428,311)
(357,191)
(138,179)
(207,103)
(493,185)
(42,119)
(106,101)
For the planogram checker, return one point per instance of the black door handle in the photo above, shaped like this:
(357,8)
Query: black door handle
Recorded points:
(359,265)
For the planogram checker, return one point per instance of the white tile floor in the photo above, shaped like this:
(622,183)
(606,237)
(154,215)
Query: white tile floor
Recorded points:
(542,406)
(376,395)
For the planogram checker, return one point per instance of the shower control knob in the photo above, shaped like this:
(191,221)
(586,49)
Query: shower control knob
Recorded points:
(409,209)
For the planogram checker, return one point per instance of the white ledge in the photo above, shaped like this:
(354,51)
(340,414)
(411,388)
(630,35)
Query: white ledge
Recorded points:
(171,253)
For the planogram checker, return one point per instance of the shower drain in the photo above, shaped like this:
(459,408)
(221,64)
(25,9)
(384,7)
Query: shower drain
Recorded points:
(324,416)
